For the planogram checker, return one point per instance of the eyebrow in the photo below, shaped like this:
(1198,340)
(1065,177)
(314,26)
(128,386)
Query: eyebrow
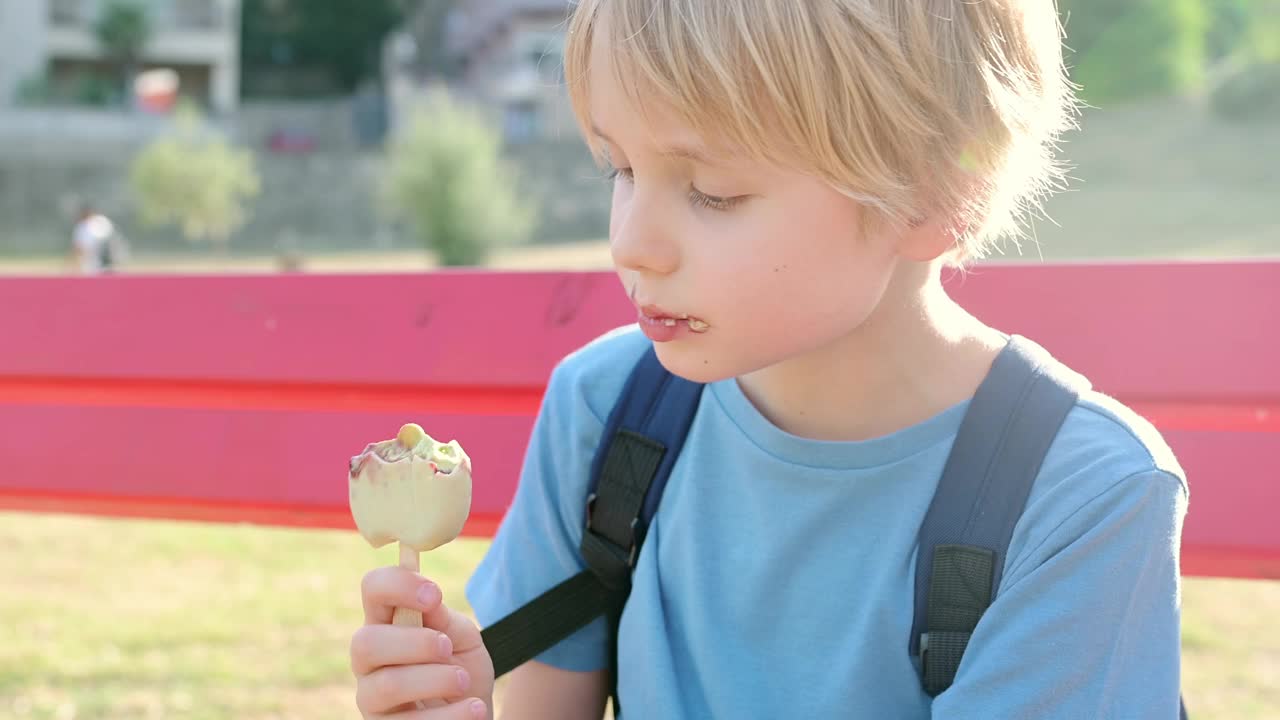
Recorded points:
(679,151)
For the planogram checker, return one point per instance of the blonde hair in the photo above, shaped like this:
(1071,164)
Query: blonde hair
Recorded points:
(911,107)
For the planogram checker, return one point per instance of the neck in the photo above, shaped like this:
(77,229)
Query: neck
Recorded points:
(916,355)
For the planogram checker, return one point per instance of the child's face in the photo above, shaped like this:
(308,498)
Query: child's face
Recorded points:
(767,263)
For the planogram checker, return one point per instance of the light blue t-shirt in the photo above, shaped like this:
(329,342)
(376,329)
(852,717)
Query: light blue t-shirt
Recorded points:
(777,579)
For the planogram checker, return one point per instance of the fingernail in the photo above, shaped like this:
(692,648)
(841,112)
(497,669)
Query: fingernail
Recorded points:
(464,680)
(478,709)
(429,594)
(446,646)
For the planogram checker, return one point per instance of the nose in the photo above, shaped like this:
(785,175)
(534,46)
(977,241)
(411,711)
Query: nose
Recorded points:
(641,240)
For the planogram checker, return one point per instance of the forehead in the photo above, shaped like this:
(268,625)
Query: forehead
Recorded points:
(628,112)
(618,99)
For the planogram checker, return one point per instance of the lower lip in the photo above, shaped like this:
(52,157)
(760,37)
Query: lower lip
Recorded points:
(659,331)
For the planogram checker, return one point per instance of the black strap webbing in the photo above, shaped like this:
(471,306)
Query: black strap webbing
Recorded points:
(555,615)
(959,591)
(613,510)
(997,454)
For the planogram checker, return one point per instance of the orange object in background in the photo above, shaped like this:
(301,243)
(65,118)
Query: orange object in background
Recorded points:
(156,90)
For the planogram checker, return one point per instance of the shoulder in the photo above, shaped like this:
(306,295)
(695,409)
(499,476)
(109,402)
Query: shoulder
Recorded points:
(1110,481)
(1108,474)
(589,379)
(1104,441)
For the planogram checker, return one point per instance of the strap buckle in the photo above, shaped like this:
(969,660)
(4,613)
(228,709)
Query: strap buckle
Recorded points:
(940,663)
(610,561)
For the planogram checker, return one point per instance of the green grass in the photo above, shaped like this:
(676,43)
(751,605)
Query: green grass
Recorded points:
(139,619)
(108,618)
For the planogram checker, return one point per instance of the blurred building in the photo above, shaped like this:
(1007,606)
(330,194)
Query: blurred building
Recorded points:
(53,41)
(510,53)
(507,55)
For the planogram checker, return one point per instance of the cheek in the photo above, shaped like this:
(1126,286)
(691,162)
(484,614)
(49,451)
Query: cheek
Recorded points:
(806,267)
(774,290)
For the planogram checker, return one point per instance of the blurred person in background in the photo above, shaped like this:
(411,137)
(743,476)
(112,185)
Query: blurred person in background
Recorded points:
(97,245)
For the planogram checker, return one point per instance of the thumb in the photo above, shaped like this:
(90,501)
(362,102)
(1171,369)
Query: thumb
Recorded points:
(460,629)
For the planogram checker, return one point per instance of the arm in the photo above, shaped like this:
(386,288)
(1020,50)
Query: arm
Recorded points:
(537,691)
(537,545)
(1086,623)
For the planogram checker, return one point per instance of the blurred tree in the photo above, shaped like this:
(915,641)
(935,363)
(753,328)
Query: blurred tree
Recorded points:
(1086,21)
(1228,27)
(1263,33)
(447,179)
(342,39)
(429,25)
(123,29)
(1249,91)
(1131,49)
(194,179)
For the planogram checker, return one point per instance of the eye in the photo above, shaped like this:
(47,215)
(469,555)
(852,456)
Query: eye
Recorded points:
(696,196)
(713,202)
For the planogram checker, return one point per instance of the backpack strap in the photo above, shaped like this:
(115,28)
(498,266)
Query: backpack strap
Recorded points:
(645,431)
(963,541)
(642,437)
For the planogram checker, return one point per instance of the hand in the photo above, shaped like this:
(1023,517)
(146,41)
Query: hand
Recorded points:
(443,664)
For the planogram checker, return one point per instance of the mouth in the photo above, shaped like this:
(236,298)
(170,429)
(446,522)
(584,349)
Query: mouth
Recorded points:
(658,316)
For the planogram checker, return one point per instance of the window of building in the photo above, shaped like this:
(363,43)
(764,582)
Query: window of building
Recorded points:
(68,13)
(196,14)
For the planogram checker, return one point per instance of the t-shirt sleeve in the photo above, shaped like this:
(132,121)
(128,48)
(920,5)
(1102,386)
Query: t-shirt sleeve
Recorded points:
(536,546)
(1087,622)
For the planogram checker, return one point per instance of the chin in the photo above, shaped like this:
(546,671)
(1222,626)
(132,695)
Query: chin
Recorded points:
(696,364)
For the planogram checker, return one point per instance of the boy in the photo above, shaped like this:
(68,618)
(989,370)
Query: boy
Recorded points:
(791,179)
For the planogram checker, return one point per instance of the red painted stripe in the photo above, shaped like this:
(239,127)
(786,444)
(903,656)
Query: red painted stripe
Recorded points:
(1232,562)
(112,392)
(1210,416)
(475,400)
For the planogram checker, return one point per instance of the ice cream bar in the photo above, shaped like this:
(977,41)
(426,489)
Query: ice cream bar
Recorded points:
(410,489)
